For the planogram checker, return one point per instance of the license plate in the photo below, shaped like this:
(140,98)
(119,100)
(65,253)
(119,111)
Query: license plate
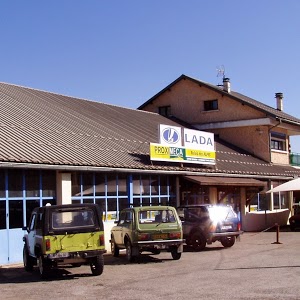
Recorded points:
(162,236)
(59,255)
(226,227)
(160,247)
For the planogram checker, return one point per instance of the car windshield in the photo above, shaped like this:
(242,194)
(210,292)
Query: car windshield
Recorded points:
(156,216)
(72,219)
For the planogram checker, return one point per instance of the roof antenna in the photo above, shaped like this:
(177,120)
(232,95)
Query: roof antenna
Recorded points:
(221,72)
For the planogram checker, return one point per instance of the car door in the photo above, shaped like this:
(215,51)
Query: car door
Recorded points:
(118,229)
(128,225)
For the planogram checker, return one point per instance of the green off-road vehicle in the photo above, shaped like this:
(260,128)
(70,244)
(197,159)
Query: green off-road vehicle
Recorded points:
(148,228)
(64,235)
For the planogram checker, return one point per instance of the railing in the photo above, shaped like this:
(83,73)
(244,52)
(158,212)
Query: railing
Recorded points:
(295,159)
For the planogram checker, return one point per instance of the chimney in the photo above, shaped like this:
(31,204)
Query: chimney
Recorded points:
(279,100)
(226,85)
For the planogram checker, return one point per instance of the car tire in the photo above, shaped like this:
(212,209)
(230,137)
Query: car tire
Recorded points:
(97,265)
(175,255)
(44,267)
(198,241)
(129,256)
(27,260)
(228,241)
(114,248)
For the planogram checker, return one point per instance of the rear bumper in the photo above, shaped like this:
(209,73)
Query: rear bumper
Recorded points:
(159,244)
(78,255)
(217,235)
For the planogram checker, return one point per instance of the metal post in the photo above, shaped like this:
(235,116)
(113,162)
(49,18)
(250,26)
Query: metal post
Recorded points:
(277,233)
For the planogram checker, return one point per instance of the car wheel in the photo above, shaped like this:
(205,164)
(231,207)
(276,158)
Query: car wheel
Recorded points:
(156,251)
(198,241)
(175,254)
(97,265)
(44,267)
(129,255)
(27,260)
(228,241)
(114,248)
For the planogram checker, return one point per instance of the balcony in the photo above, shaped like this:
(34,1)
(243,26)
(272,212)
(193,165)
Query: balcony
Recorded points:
(295,159)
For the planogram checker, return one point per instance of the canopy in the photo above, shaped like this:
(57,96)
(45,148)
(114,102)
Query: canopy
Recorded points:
(293,185)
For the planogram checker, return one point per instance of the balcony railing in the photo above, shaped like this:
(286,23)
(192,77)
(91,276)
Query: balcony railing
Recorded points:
(295,159)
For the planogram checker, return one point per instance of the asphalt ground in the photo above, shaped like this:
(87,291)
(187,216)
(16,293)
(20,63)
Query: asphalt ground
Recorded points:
(262,265)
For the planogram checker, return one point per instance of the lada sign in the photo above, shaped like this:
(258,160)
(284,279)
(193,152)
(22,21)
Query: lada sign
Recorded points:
(170,135)
(196,139)
(193,146)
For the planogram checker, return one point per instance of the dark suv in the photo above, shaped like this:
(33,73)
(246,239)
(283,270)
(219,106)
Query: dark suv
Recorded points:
(205,223)
(64,235)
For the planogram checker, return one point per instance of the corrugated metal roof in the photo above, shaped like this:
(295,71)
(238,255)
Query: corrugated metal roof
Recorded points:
(46,129)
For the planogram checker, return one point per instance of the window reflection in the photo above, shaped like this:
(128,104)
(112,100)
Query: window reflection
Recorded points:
(2,184)
(32,183)
(30,206)
(2,214)
(76,182)
(49,183)
(15,208)
(15,183)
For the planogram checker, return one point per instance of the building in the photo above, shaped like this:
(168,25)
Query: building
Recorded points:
(254,128)
(59,149)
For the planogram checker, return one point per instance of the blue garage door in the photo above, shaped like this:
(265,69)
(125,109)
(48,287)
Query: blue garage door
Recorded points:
(20,192)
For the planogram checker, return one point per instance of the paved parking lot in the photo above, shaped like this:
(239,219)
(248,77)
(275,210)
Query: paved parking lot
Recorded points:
(256,267)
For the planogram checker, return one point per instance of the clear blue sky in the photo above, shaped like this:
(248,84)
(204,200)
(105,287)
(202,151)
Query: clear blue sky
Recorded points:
(123,52)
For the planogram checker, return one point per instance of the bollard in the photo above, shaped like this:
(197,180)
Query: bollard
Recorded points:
(277,234)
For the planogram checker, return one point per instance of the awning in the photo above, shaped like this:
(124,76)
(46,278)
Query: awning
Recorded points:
(293,185)
(233,181)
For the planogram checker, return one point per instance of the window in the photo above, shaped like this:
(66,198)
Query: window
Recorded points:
(210,105)
(2,215)
(278,141)
(165,111)
(15,208)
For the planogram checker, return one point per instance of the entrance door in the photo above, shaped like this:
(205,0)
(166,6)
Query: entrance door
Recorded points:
(15,231)
(11,233)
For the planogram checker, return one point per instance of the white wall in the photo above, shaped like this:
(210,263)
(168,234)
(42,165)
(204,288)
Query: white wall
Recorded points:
(107,227)
(63,188)
(261,220)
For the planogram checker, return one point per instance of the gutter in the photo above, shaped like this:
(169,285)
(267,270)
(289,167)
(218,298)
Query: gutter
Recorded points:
(135,171)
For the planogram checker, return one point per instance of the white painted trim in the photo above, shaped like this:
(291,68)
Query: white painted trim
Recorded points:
(230,124)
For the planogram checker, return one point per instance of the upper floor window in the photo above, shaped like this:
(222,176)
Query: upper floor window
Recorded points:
(165,111)
(278,141)
(210,105)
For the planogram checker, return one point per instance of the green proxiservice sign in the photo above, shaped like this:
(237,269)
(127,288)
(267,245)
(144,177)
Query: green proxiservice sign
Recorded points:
(161,152)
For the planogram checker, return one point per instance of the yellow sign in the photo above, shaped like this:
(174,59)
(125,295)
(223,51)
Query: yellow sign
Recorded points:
(160,152)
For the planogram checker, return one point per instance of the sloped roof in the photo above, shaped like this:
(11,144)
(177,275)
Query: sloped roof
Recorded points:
(43,129)
(268,110)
